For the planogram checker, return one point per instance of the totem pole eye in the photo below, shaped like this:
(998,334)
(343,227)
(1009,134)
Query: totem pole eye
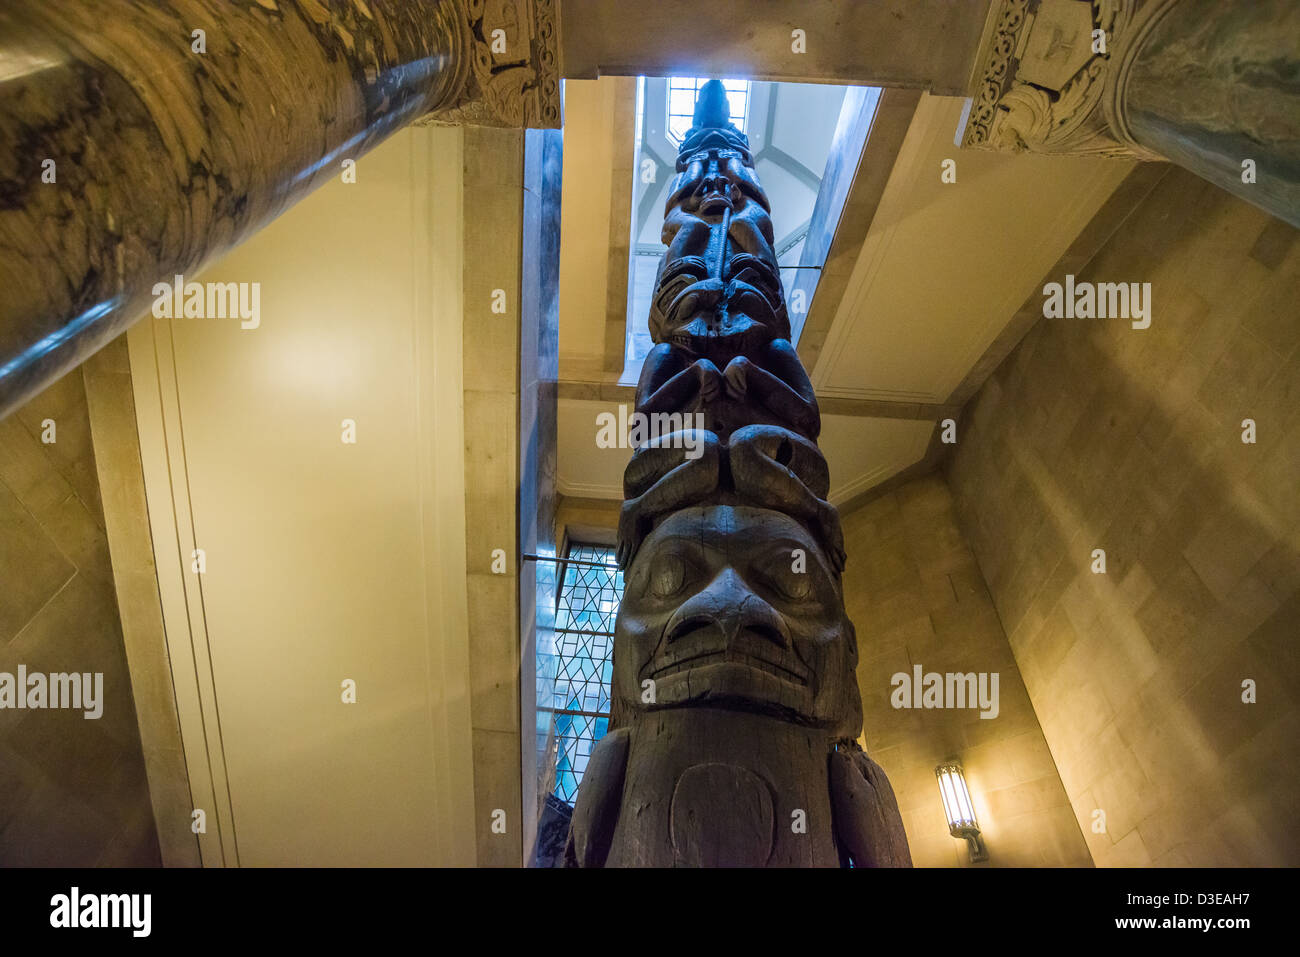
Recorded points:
(748,268)
(790,578)
(668,574)
(792,585)
(670,290)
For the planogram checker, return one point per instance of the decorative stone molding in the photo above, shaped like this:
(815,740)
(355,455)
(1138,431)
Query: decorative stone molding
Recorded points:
(507,65)
(1048,87)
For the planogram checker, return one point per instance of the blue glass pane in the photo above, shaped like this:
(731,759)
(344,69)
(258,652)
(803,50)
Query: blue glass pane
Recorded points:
(581,669)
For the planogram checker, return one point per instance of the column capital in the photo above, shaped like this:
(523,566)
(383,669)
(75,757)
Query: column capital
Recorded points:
(506,63)
(1051,76)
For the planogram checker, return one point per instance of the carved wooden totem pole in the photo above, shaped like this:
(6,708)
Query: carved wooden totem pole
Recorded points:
(733,739)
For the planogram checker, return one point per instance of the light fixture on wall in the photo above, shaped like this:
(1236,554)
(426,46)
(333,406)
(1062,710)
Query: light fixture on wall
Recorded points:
(958,808)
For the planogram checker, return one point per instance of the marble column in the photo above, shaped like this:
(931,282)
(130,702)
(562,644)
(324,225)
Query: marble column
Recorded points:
(1208,84)
(140,141)
(1215,88)
(539,366)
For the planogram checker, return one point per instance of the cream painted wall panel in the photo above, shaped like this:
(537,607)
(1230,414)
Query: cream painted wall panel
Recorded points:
(946,265)
(167,499)
(862,451)
(325,560)
(584,222)
(583,469)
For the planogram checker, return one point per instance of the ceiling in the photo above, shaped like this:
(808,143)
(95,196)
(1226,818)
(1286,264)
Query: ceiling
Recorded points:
(789,126)
(861,451)
(945,265)
(941,272)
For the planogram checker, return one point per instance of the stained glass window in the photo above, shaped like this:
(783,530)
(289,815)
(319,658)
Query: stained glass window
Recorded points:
(682,91)
(590,594)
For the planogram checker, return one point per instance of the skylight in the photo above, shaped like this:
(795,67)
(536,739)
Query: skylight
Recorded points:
(682,91)
(792,131)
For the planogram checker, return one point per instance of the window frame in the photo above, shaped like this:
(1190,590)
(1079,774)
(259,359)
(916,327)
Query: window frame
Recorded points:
(560,787)
(691,85)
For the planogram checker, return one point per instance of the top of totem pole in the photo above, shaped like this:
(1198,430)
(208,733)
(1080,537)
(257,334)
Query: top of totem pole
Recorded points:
(711,127)
(712,108)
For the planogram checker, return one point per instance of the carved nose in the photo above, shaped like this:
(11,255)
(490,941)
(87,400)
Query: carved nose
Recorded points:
(728,606)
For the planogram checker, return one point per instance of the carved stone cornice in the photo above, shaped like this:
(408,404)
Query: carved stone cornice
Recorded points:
(1045,89)
(509,78)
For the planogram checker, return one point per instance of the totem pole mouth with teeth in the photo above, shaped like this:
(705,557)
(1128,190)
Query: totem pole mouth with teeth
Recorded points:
(736,712)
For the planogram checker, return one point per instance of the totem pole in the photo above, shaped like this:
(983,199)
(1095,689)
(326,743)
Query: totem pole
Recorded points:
(733,737)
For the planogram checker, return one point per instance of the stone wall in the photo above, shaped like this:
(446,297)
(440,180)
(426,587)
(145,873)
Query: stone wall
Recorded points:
(916,597)
(1096,435)
(492,203)
(73,791)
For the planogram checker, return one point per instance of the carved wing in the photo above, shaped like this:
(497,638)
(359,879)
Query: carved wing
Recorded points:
(867,822)
(599,798)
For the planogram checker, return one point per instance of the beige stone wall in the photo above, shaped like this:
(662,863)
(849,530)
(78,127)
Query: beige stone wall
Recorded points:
(110,397)
(73,791)
(586,519)
(916,596)
(493,209)
(1096,435)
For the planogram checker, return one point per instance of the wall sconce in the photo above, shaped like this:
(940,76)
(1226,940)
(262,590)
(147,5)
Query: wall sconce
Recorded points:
(957,806)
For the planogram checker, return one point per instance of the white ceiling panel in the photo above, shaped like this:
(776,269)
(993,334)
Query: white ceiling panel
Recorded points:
(946,265)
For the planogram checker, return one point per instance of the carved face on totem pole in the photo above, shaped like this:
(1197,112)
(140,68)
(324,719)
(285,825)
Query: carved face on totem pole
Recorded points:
(719,279)
(718,315)
(738,606)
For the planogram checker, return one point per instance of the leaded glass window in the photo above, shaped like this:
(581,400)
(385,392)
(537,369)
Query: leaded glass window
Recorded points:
(590,594)
(682,91)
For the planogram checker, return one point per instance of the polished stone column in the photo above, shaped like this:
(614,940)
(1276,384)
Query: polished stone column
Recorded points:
(1208,84)
(1215,88)
(539,360)
(139,141)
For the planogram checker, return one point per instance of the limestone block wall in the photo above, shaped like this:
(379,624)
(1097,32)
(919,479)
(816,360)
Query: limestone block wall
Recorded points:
(492,204)
(1096,435)
(73,791)
(916,597)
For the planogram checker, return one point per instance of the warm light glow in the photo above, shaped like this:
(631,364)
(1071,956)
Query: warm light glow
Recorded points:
(956,799)
(16,64)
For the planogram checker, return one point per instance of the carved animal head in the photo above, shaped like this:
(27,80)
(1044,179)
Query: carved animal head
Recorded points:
(719,279)
(714,180)
(736,607)
(690,306)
